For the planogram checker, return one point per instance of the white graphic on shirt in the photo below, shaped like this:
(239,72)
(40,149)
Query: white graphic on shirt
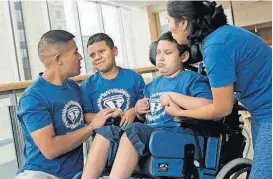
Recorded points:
(72,115)
(114,98)
(156,110)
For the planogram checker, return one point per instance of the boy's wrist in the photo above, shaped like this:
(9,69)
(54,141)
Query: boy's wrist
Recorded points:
(90,128)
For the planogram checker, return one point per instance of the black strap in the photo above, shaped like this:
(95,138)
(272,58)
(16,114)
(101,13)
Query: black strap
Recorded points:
(199,152)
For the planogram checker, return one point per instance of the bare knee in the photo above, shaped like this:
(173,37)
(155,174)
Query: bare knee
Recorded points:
(100,140)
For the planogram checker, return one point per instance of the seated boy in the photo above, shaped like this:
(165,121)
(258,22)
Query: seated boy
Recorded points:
(186,89)
(111,93)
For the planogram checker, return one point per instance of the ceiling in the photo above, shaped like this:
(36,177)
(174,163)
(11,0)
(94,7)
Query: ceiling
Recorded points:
(139,3)
(143,3)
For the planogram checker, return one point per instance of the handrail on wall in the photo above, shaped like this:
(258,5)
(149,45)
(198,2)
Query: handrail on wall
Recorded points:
(25,84)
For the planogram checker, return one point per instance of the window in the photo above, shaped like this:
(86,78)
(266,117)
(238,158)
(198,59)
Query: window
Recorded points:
(58,14)
(96,17)
(113,27)
(163,22)
(90,23)
(8,59)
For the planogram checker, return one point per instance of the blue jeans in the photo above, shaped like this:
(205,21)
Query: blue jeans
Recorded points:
(262,145)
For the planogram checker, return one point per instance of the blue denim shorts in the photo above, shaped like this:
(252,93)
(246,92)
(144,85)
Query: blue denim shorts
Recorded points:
(138,133)
(113,134)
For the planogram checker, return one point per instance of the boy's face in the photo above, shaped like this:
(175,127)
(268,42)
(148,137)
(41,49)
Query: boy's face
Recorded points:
(168,61)
(102,56)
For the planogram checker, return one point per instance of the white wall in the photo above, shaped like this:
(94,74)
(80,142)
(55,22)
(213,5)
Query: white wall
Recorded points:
(8,67)
(245,12)
(251,13)
(158,6)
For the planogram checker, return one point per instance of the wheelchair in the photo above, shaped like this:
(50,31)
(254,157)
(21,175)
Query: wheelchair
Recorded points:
(205,150)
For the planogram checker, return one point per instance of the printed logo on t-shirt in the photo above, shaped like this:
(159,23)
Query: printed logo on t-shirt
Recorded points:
(156,110)
(72,115)
(114,98)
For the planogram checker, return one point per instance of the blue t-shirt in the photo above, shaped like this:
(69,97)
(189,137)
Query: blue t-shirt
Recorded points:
(43,104)
(187,83)
(234,55)
(122,92)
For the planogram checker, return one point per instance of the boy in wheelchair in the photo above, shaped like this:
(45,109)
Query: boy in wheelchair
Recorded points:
(187,89)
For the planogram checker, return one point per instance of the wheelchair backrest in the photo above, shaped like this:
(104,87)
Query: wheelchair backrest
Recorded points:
(198,67)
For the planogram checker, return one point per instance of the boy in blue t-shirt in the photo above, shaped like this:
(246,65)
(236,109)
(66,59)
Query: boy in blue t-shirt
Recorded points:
(51,115)
(189,90)
(109,94)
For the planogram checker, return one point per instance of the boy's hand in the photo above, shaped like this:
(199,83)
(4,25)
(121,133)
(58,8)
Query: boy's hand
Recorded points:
(165,99)
(128,117)
(142,106)
(101,117)
(117,113)
(172,109)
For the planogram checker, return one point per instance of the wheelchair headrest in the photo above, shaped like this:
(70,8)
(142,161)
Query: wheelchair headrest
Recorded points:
(152,52)
(188,64)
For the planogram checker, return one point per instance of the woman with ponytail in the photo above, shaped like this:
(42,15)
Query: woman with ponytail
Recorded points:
(237,62)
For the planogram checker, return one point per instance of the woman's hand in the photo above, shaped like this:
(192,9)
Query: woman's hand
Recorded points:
(173,109)
(165,99)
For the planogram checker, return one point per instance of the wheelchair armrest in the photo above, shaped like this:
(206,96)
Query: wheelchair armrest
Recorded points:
(197,122)
(204,127)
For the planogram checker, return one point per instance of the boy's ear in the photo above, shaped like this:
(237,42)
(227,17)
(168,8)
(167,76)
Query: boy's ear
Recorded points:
(185,56)
(115,51)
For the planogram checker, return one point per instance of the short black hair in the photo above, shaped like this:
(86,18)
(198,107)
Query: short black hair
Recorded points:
(168,36)
(99,37)
(55,37)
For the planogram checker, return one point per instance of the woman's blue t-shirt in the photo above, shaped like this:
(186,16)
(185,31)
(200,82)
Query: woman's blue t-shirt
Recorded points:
(234,55)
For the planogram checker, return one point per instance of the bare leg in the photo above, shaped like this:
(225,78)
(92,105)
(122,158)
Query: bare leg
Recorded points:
(125,161)
(97,158)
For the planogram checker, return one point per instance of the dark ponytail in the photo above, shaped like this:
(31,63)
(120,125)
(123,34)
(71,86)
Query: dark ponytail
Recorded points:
(218,18)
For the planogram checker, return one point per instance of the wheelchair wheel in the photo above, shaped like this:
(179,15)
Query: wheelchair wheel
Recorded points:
(237,168)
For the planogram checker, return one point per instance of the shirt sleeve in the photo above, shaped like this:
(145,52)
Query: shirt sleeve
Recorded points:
(85,98)
(220,65)
(200,87)
(140,86)
(34,113)
(146,91)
